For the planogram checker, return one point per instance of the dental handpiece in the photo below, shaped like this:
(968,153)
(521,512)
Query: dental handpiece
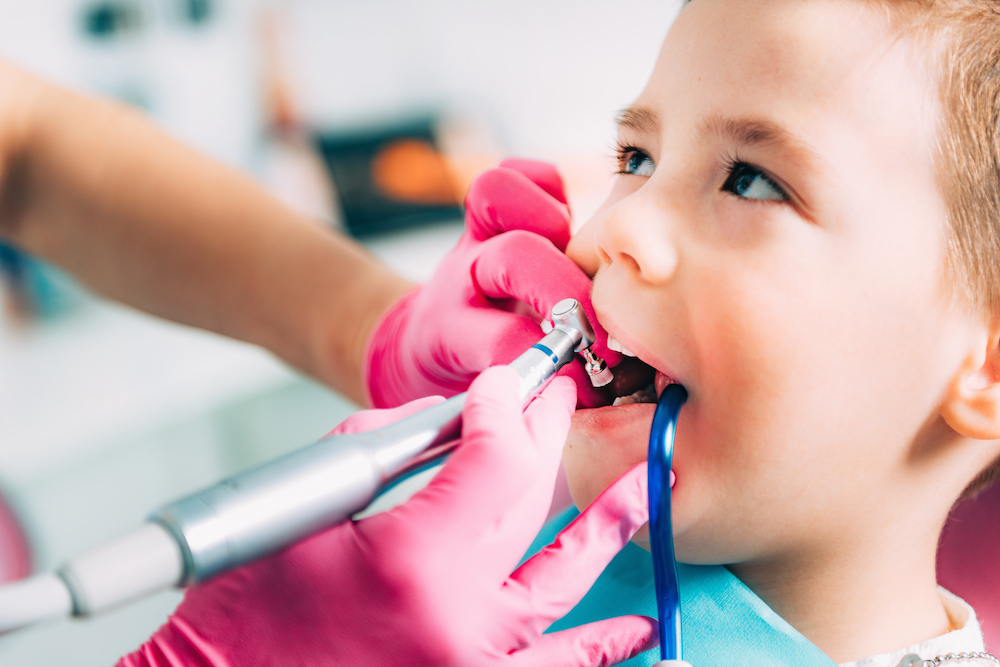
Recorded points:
(279,503)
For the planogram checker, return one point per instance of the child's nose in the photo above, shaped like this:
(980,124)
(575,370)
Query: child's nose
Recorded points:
(636,234)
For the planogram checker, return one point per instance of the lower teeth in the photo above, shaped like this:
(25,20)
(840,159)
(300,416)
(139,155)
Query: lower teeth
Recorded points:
(645,395)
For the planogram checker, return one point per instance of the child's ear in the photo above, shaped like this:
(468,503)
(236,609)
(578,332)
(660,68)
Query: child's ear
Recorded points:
(972,401)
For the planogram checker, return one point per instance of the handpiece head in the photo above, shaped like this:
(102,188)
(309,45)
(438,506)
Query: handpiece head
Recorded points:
(568,315)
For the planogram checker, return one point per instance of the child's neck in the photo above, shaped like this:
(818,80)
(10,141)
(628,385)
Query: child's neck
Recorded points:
(863,602)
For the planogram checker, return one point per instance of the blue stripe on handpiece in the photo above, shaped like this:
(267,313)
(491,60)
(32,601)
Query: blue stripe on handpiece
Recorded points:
(552,355)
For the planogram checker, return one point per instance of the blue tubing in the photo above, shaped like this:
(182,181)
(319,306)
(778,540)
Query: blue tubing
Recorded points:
(661,534)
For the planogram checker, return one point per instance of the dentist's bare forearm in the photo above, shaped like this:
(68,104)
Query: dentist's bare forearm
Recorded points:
(95,188)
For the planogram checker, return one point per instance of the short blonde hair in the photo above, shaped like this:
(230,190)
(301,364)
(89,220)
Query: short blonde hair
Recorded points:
(969,143)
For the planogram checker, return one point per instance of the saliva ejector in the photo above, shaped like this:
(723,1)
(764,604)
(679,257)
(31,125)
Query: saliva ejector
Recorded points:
(661,527)
(279,503)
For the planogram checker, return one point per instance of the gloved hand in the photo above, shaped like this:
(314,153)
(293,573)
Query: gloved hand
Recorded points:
(440,336)
(428,582)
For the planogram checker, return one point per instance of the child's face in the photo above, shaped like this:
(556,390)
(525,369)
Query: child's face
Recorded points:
(777,245)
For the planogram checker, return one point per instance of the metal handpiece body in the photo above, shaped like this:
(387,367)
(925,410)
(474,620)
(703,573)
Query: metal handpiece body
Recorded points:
(281,502)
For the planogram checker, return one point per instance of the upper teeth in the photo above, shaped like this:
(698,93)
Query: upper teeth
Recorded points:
(617,347)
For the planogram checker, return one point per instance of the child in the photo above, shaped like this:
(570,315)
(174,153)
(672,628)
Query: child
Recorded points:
(802,233)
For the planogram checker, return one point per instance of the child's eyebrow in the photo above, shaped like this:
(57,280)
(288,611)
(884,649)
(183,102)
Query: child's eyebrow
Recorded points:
(741,131)
(757,131)
(640,119)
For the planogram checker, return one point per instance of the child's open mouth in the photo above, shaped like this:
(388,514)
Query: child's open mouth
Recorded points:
(635,380)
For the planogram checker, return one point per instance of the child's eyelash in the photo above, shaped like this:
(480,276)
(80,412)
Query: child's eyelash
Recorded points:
(623,152)
(743,179)
(732,165)
(731,161)
(622,149)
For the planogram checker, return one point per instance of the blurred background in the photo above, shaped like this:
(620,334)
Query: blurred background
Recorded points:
(372,116)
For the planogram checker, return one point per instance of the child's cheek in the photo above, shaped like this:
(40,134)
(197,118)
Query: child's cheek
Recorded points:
(604,444)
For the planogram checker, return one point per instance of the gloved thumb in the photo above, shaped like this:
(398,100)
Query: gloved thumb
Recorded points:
(543,174)
(502,200)
(558,576)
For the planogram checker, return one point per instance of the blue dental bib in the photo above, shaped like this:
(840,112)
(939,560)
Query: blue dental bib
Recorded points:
(725,623)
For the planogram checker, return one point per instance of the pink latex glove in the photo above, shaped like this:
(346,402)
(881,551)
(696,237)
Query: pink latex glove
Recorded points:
(436,339)
(428,582)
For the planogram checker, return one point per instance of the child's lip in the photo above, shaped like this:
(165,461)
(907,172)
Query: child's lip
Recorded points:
(623,422)
(661,381)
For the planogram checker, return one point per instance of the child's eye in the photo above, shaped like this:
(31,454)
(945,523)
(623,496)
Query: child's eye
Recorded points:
(749,182)
(635,162)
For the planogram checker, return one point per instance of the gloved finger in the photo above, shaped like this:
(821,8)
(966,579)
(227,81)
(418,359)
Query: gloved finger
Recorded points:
(543,174)
(369,420)
(600,643)
(548,426)
(496,462)
(548,436)
(547,421)
(527,267)
(558,576)
(502,200)
(525,512)
(489,337)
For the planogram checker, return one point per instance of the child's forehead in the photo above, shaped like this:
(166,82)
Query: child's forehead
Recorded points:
(818,48)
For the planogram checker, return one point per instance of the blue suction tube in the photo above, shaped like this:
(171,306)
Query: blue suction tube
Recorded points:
(661,535)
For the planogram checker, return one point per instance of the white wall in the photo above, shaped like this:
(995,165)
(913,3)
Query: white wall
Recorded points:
(551,73)
(548,74)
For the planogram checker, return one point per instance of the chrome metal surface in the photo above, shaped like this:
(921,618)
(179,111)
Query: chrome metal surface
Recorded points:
(597,370)
(568,314)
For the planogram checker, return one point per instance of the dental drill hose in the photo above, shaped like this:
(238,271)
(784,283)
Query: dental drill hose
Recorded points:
(279,503)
